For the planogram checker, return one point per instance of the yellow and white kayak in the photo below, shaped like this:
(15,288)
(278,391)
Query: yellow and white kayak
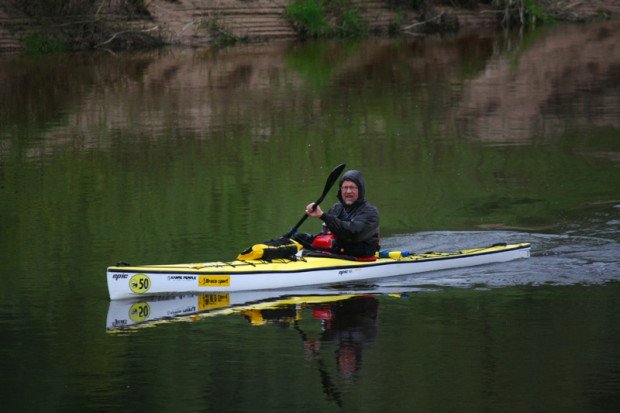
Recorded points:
(148,280)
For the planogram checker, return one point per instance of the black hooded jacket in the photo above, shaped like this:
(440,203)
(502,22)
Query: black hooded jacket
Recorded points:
(355,227)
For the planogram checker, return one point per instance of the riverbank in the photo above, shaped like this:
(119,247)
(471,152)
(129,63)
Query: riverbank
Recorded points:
(115,25)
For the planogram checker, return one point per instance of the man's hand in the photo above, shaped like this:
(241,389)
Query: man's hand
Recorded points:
(317,212)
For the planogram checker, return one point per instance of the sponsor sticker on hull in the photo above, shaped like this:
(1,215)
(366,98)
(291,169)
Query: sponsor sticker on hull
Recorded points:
(214,281)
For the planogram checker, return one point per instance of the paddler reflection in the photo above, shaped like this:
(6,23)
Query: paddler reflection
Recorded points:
(349,324)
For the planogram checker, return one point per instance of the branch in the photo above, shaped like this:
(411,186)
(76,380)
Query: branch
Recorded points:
(124,32)
(422,23)
(100,7)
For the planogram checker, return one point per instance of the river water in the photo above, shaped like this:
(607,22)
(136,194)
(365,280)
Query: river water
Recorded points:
(192,155)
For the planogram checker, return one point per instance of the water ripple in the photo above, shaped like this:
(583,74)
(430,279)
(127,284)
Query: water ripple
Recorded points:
(585,254)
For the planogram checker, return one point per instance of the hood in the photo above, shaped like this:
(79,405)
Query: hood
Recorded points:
(357,177)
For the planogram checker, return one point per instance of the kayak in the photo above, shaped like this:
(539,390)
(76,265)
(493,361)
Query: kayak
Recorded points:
(249,275)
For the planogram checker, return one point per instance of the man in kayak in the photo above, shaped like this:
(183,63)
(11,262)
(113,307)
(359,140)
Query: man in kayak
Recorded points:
(352,225)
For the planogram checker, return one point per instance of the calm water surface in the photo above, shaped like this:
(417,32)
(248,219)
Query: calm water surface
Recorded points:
(187,156)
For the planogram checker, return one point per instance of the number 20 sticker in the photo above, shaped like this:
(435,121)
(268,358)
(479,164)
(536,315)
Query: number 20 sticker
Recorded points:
(139,283)
(139,312)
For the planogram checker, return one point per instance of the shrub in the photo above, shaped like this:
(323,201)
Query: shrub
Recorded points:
(308,17)
(351,24)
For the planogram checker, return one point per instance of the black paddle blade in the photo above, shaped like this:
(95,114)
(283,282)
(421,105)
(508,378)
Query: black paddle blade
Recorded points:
(331,180)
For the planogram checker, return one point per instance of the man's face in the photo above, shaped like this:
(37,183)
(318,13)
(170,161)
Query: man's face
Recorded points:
(349,192)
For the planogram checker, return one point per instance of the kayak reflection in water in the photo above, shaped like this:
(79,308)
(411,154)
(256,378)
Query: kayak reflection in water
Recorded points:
(351,225)
(350,324)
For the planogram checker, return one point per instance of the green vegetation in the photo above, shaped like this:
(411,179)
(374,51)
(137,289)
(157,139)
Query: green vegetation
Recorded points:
(351,24)
(41,44)
(527,12)
(308,18)
(319,18)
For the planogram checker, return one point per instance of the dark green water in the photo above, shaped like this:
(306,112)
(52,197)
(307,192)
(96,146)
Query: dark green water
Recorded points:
(186,156)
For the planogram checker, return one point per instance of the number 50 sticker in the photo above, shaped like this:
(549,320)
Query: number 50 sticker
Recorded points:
(139,283)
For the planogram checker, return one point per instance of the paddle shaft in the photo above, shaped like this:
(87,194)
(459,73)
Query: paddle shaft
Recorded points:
(331,180)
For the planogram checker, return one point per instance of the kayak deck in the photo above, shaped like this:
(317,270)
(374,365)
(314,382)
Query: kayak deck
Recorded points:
(131,281)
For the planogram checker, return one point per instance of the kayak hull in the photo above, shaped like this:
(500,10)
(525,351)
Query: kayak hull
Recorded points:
(130,282)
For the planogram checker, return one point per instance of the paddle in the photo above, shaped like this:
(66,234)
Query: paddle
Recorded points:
(331,180)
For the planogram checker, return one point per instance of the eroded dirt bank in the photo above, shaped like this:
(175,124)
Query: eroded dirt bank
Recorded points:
(198,23)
